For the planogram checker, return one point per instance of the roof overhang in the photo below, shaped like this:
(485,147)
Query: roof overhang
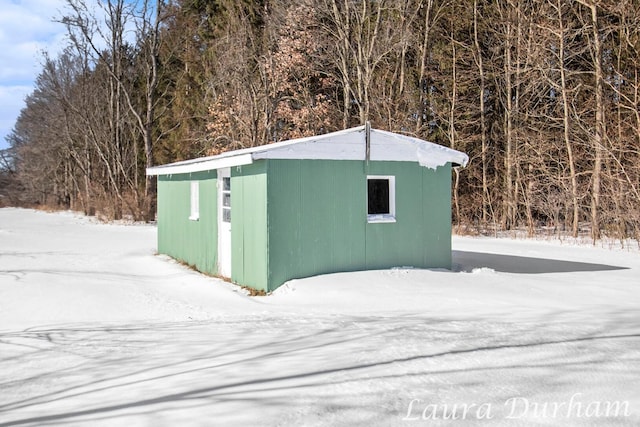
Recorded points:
(349,144)
(201,165)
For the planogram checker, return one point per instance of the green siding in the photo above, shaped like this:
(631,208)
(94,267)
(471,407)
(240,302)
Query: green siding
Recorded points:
(249,225)
(193,242)
(299,218)
(317,218)
(421,235)
(436,205)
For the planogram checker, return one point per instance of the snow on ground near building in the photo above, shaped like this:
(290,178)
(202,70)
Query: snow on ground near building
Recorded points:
(95,329)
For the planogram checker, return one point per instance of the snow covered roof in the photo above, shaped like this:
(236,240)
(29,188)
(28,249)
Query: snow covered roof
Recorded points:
(348,144)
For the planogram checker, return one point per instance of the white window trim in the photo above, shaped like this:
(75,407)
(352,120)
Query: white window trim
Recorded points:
(224,208)
(391,216)
(195,201)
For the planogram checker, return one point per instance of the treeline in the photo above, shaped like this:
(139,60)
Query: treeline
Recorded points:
(544,96)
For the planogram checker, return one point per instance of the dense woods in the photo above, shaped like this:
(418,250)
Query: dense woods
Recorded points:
(544,96)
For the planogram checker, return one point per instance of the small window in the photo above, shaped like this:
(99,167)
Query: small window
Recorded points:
(381,203)
(195,201)
(226,199)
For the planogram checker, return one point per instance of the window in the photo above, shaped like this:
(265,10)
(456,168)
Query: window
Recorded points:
(195,201)
(226,199)
(381,199)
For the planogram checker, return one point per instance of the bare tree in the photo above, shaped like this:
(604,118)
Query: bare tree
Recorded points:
(363,37)
(85,30)
(482,94)
(543,95)
(599,128)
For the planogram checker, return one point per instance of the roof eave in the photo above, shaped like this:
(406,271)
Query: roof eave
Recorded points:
(204,165)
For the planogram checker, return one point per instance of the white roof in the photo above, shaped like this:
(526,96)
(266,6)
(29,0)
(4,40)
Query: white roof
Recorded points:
(348,144)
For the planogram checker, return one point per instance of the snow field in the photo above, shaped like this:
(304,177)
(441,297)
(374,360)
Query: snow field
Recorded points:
(95,329)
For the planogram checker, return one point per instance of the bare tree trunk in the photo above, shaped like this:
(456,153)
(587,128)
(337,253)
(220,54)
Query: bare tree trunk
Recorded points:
(636,102)
(483,118)
(424,55)
(599,134)
(456,201)
(508,215)
(90,208)
(515,117)
(116,20)
(566,122)
(454,92)
(150,95)
(342,32)
(149,113)
(452,117)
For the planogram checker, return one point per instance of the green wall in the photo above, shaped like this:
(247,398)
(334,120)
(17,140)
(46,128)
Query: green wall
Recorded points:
(193,242)
(249,225)
(315,218)
(421,235)
(299,218)
(318,220)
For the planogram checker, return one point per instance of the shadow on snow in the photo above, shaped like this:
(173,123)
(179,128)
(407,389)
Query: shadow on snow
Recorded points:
(467,261)
(213,371)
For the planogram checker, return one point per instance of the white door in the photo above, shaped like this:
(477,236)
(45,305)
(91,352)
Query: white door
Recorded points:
(224,222)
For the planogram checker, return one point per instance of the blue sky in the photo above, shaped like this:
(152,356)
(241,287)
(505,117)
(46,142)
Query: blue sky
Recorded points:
(26,30)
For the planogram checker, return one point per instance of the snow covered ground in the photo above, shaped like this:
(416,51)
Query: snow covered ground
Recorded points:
(95,329)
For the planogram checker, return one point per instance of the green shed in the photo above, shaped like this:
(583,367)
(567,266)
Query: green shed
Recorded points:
(357,199)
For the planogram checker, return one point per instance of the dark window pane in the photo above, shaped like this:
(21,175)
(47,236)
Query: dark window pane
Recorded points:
(226,184)
(378,196)
(226,199)
(226,215)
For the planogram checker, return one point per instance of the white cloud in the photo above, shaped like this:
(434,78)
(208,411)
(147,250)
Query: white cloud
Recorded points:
(27,29)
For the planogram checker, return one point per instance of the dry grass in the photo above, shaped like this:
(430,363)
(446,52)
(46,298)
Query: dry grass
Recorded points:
(250,291)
